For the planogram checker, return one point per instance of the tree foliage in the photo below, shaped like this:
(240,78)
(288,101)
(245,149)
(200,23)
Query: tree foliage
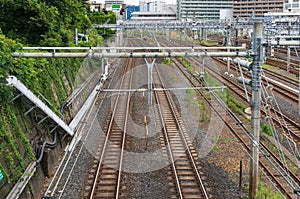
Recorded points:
(48,22)
(38,23)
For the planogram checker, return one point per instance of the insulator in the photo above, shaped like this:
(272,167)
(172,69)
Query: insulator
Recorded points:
(231,75)
(243,63)
(269,99)
(227,59)
(244,80)
(226,73)
(248,111)
(270,87)
(201,75)
(268,118)
(267,107)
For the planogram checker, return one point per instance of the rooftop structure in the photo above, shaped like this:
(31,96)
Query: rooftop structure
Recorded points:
(154,6)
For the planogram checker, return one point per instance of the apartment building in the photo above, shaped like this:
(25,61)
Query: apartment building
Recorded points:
(248,8)
(204,9)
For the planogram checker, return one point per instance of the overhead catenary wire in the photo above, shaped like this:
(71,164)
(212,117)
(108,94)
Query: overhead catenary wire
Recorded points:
(284,124)
(56,179)
(273,162)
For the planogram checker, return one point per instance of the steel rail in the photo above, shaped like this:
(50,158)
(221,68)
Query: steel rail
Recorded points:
(293,94)
(124,136)
(171,105)
(107,137)
(169,147)
(244,143)
(72,148)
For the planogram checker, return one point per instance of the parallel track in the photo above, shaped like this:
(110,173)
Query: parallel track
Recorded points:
(293,96)
(292,128)
(183,157)
(283,65)
(241,132)
(107,181)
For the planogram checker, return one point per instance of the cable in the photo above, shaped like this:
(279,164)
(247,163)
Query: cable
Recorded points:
(40,151)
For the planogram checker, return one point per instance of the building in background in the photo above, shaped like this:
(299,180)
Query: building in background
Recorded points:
(210,10)
(248,8)
(226,14)
(153,16)
(152,5)
(95,5)
(155,10)
(291,5)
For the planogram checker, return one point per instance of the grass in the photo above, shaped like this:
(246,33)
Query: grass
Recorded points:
(208,43)
(214,149)
(187,64)
(232,103)
(167,61)
(266,66)
(267,192)
(267,129)
(194,103)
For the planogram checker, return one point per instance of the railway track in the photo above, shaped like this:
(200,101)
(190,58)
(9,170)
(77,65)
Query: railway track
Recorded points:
(184,176)
(268,159)
(66,170)
(282,64)
(282,90)
(182,155)
(282,53)
(290,127)
(107,176)
(281,177)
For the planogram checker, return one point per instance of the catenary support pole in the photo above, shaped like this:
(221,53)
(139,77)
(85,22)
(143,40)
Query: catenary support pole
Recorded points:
(255,107)
(241,178)
(288,63)
(150,67)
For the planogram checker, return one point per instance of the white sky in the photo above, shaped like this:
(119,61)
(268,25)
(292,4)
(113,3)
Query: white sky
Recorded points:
(136,2)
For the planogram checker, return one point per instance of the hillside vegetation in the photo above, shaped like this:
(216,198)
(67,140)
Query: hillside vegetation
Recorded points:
(38,23)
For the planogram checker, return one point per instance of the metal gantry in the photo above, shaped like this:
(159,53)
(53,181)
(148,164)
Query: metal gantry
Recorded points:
(256,53)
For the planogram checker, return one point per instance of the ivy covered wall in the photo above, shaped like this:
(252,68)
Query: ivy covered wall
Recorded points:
(37,23)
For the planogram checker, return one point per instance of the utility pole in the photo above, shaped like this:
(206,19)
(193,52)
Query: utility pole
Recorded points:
(255,107)
(150,80)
